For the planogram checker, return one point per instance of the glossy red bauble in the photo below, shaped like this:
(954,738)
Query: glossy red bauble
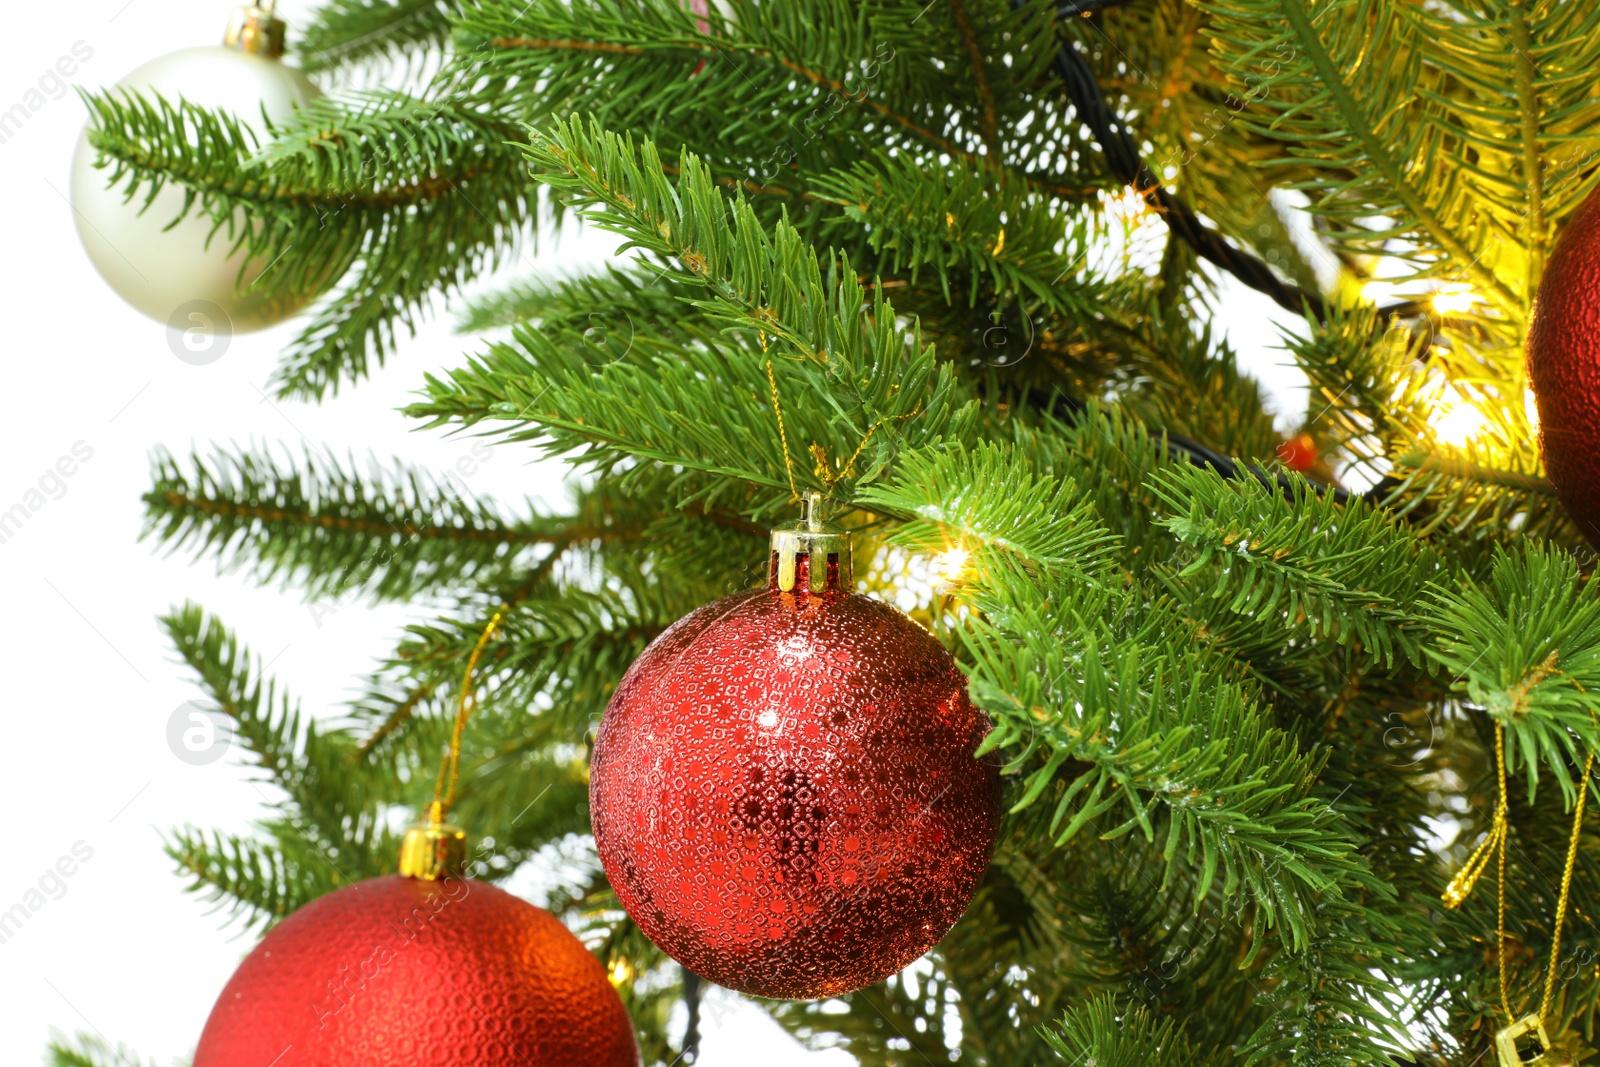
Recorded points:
(1564,365)
(785,795)
(404,972)
(1299,453)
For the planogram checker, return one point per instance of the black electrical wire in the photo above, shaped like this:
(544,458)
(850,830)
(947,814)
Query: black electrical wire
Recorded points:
(1071,409)
(1122,156)
(1086,7)
(692,990)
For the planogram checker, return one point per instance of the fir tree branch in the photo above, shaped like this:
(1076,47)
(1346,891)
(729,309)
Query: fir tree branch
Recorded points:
(1528,105)
(764,292)
(1377,152)
(879,1024)
(86,1050)
(991,120)
(332,827)
(1526,649)
(994,503)
(1100,1033)
(394,711)
(1349,573)
(564,647)
(1469,471)
(533,789)
(1005,939)
(393,535)
(1160,734)
(1458,143)
(1330,1009)
(1463,504)
(352,32)
(1521,165)
(610,307)
(1113,459)
(1366,391)
(1052,928)
(980,223)
(813,83)
(666,30)
(1192,386)
(315,768)
(1378,397)
(254,877)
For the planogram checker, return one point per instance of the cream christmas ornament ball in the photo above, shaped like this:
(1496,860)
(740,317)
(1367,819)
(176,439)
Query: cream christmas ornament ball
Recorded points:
(177,276)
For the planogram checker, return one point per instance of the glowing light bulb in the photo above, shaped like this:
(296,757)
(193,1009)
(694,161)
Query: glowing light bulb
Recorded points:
(951,563)
(1454,298)
(621,972)
(1457,423)
(1376,291)
(1127,204)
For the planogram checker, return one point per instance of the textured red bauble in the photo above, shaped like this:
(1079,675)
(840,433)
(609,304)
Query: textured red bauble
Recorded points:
(785,795)
(1564,365)
(404,972)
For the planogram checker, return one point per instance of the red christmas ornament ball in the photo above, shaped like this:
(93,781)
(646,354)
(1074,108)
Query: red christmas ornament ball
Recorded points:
(1564,365)
(404,972)
(784,791)
(1299,453)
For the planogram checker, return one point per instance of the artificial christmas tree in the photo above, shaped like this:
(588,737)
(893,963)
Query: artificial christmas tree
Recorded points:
(955,268)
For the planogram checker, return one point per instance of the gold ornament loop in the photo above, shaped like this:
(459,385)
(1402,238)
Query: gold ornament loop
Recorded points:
(1455,894)
(443,797)
(1460,887)
(783,433)
(1566,889)
(435,849)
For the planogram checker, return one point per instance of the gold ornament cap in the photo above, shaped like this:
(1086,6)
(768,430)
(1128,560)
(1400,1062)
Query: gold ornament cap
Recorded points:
(256,29)
(432,851)
(810,554)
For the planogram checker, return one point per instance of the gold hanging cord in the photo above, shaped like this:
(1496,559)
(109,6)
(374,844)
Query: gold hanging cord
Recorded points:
(444,789)
(434,849)
(1460,886)
(783,434)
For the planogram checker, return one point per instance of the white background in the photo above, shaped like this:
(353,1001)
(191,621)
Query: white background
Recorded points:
(90,681)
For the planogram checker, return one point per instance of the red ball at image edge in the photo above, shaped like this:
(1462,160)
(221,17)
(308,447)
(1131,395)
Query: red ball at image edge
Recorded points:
(1564,365)
(784,793)
(401,972)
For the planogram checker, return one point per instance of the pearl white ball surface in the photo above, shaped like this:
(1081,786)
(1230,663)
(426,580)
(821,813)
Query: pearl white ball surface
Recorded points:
(160,271)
